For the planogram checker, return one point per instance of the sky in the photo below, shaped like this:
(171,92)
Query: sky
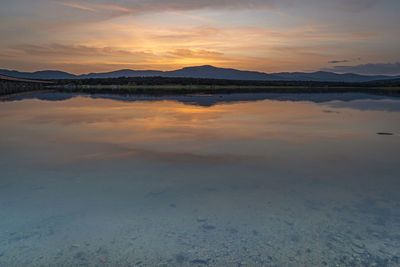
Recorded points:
(83,36)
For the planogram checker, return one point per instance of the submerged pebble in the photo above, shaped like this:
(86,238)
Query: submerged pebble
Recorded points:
(358,246)
(102,259)
(208,227)
(201,219)
(358,250)
(358,243)
(80,256)
(199,261)
(232,230)
(180,258)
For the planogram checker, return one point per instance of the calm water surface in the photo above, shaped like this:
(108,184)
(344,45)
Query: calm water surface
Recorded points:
(237,180)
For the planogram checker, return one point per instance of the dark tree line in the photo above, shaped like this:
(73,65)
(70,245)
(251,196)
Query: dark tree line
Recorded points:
(143,81)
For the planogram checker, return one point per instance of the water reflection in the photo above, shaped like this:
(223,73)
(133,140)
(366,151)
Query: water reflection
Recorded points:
(210,100)
(90,180)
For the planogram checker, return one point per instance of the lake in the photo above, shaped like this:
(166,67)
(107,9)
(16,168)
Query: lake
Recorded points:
(217,180)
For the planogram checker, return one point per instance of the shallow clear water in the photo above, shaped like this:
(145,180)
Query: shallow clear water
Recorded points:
(234,180)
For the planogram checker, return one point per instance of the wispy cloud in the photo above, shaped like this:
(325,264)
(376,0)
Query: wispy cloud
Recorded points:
(96,7)
(77,6)
(353,6)
(195,53)
(76,51)
(115,7)
(338,61)
(151,6)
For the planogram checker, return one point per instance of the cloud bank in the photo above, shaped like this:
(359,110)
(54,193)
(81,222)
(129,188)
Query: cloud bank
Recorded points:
(81,36)
(151,6)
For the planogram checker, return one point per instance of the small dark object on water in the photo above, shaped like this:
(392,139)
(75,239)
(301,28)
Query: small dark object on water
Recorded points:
(382,133)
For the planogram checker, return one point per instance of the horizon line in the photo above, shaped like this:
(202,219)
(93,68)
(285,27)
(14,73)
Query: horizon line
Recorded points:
(198,66)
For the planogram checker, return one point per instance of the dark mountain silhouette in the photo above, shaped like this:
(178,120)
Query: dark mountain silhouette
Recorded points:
(211,72)
(40,75)
(323,76)
(122,73)
(208,72)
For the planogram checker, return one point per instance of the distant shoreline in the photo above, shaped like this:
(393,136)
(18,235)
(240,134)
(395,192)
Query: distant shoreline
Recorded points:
(218,89)
(164,90)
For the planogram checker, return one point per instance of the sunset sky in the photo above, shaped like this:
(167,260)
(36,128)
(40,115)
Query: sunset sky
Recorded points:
(81,36)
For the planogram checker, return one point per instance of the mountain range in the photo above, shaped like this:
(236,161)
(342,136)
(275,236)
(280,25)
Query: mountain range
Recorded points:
(206,71)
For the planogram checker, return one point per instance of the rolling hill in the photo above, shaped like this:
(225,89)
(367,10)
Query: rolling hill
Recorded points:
(207,71)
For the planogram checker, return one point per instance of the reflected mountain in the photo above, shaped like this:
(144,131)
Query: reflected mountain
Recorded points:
(359,101)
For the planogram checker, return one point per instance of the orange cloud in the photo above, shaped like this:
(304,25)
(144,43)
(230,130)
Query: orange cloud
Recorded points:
(77,6)
(94,7)
(195,53)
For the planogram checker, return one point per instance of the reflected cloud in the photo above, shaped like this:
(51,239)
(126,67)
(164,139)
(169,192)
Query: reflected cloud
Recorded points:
(197,124)
(107,152)
(179,130)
